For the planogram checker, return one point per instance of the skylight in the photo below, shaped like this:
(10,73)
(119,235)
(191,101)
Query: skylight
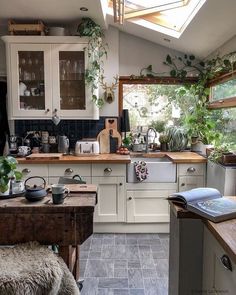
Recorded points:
(170,17)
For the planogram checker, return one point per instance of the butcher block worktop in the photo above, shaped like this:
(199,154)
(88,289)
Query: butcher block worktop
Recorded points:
(175,157)
(224,232)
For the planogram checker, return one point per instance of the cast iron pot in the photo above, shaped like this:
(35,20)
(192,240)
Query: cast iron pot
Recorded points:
(35,192)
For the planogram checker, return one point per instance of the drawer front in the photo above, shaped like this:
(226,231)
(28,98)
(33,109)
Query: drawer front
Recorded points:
(109,170)
(69,170)
(30,170)
(191,169)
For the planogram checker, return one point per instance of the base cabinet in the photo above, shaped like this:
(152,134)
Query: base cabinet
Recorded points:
(146,206)
(111,192)
(217,278)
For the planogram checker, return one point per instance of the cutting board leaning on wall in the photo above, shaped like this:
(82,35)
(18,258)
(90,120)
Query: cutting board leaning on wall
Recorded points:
(109,138)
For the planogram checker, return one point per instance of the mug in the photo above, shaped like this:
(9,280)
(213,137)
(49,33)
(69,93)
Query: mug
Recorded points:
(59,193)
(46,148)
(24,150)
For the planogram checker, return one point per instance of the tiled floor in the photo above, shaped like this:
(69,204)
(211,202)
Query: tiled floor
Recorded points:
(125,264)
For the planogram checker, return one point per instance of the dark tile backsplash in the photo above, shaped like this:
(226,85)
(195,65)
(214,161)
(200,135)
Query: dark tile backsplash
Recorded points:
(73,129)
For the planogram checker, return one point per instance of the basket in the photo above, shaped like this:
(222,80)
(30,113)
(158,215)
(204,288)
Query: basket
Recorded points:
(36,28)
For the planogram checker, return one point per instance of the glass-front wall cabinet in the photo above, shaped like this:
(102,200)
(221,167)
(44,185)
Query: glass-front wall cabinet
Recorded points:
(47,78)
(72,86)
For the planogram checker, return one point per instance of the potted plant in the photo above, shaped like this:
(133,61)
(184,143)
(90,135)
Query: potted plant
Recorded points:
(8,172)
(177,139)
(163,139)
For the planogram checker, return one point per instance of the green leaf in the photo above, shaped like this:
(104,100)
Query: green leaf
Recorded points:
(149,68)
(168,59)
(173,73)
(191,57)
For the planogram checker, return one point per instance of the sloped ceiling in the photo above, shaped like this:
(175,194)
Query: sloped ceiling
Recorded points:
(213,25)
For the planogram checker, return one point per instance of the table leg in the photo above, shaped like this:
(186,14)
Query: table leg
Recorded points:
(70,255)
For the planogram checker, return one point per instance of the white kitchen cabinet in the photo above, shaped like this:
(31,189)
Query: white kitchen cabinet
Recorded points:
(217,278)
(31,170)
(191,176)
(110,179)
(146,206)
(46,78)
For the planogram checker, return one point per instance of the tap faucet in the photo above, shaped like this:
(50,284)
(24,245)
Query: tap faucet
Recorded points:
(147,143)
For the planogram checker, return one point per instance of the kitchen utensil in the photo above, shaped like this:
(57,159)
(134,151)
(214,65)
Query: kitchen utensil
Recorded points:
(104,139)
(63,144)
(86,147)
(35,192)
(23,150)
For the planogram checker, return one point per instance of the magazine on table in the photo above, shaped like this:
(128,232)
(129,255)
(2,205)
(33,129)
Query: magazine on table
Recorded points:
(206,202)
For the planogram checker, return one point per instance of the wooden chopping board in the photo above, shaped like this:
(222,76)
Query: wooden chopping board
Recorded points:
(104,139)
(111,123)
(80,188)
(48,156)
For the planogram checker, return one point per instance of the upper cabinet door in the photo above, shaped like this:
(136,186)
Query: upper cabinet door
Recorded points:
(30,92)
(71,96)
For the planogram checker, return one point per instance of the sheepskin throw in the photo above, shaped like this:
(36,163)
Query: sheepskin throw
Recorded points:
(33,269)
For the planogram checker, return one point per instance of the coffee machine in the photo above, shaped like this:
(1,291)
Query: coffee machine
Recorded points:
(13,144)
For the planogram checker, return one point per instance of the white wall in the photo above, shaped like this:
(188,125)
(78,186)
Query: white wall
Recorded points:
(227,47)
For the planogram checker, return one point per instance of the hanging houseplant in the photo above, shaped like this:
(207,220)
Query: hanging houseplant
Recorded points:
(96,51)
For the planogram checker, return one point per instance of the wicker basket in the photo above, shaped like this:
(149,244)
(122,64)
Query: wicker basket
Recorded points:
(36,28)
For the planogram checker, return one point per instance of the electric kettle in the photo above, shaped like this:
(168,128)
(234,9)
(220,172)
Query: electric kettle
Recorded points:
(63,144)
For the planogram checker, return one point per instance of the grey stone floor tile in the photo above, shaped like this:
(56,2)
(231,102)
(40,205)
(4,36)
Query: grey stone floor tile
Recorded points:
(134,264)
(120,240)
(146,254)
(90,286)
(82,266)
(160,254)
(137,236)
(94,254)
(105,292)
(114,283)
(164,236)
(83,254)
(113,252)
(156,248)
(120,273)
(147,262)
(149,242)
(136,292)
(155,286)
(108,241)
(135,278)
(123,263)
(98,236)
(108,236)
(99,268)
(121,291)
(149,273)
(131,241)
(162,266)
(86,245)
(132,252)
(144,248)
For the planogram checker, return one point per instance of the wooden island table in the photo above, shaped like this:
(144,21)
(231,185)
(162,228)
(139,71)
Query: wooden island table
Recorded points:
(67,225)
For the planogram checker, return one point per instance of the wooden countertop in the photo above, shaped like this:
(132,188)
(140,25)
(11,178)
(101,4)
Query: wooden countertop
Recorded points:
(224,232)
(175,157)
(101,158)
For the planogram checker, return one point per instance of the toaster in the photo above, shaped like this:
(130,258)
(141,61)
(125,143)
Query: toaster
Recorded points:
(86,147)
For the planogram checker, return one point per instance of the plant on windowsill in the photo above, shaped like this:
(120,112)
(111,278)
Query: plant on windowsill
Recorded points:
(217,154)
(8,172)
(163,139)
(96,51)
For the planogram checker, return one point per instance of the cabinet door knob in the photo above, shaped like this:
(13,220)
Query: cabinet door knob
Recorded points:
(47,111)
(107,170)
(130,198)
(69,170)
(182,184)
(26,171)
(191,169)
(120,183)
(226,262)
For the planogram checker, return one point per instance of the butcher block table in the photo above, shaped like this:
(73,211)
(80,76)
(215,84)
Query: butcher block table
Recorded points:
(67,225)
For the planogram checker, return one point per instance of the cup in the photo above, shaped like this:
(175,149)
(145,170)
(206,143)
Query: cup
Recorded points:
(17,187)
(46,148)
(59,193)
(24,150)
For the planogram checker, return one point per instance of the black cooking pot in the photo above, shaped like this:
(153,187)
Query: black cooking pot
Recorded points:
(35,192)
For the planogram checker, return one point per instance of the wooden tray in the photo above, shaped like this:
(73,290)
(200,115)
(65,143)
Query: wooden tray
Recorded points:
(36,28)
(79,188)
(48,156)
(3,197)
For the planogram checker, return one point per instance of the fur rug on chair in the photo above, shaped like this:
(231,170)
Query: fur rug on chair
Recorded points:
(33,269)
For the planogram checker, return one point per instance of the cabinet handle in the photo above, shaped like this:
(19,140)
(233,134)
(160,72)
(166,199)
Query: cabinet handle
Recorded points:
(107,170)
(226,262)
(26,171)
(182,184)
(69,170)
(120,183)
(191,169)
(47,111)
(130,198)
(55,110)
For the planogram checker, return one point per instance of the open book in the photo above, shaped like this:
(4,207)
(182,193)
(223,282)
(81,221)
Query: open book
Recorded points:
(206,202)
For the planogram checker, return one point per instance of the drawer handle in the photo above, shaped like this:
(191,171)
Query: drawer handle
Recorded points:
(226,262)
(182,184)
(130,198)
(120,183)
(69,170)
(191,169)
(107,170)
(26,171)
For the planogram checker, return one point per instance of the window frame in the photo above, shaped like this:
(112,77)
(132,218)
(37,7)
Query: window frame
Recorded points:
(227,102)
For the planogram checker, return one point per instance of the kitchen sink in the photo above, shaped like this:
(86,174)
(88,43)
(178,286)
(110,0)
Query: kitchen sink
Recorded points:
(159,170)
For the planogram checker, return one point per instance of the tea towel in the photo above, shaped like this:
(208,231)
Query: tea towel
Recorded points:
(141,170)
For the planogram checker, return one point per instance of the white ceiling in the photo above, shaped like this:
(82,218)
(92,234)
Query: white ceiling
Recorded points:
(213,25)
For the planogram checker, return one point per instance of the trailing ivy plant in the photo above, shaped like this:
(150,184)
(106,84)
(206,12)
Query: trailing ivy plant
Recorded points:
(96,51)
